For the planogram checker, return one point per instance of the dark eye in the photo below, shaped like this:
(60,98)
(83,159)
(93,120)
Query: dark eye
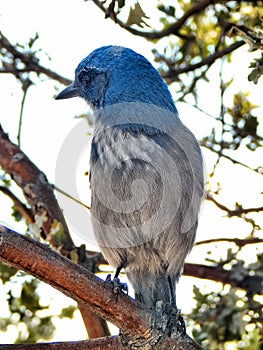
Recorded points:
(84,76)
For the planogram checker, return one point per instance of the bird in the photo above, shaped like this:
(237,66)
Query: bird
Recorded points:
(146,171)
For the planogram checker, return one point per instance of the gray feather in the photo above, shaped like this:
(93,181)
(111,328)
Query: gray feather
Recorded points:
(146,171)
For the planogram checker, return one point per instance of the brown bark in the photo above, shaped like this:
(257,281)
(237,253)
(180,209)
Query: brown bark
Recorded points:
(84,287)
(37,191)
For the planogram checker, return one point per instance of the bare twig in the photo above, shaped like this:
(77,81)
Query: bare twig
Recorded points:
(31,64)
(27,83)
(233,212)
(239,242)
(21,207)
(172,74)
(56,188)
(258,170)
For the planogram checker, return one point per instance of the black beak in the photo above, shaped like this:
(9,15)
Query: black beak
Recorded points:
(68,92)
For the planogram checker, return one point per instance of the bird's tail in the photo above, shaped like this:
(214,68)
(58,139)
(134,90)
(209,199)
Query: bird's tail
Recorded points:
(152,287)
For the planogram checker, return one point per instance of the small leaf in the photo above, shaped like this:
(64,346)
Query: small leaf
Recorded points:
(121,3)
(168,10)
(255,75)
(136,16)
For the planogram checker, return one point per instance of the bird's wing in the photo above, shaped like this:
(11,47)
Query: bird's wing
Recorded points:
(141,178)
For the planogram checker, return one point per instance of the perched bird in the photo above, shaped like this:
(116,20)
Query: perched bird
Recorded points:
(146,172)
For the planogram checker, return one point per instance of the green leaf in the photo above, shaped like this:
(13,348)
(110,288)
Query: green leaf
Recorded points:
(121,3)
(168,10)
(6,272)
(136,16)
(68,312)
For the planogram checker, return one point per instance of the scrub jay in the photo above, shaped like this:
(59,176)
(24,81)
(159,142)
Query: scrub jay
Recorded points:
(146,172)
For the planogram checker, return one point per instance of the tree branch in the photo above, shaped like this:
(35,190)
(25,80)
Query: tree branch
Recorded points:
(39,194)
(35,186)
(172,74)
(173,29)
(239,242)
(19,206)
(46,264)
(31,63)
(94,344)
(251,284)
(26,84)
(233,212)
(258,170)
(61,273)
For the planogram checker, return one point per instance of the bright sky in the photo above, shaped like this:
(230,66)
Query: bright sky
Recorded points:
(68,32)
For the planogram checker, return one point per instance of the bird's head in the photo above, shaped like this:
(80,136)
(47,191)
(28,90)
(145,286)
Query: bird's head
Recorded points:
(115,74)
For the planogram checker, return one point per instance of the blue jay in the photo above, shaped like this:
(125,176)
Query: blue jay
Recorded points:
(146,172)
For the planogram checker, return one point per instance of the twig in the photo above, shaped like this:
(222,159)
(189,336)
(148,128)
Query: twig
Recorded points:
(258,170)
(172,74)
(25,88)
(250,284)
(55,187)
(239,242)
(233,212)
(23,210)
(31,64)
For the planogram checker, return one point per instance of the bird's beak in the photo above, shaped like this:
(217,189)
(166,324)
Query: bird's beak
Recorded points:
(68,92)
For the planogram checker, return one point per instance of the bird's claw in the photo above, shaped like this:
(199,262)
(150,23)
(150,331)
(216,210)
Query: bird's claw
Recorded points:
(174,320)
(117,285)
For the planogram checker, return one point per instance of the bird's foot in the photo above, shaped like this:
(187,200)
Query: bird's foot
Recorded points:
(173,321)
(117,285)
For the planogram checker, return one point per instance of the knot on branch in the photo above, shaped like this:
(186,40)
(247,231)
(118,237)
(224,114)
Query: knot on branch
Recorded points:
(165,321)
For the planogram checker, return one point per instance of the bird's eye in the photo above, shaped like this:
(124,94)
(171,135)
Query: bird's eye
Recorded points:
(84,77)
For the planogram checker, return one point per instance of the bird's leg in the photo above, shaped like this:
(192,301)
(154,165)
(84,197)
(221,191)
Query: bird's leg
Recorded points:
(176,319)
(117,272)
(118,286)
(171,290)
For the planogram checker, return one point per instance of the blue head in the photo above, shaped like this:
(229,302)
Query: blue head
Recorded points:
(115,74)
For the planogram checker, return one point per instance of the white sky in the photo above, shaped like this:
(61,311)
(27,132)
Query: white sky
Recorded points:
(68,32)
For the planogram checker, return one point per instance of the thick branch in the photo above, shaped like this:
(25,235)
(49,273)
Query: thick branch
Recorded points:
(35,186)
(83,286)
(60,272)
(94,344)
(31,64)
